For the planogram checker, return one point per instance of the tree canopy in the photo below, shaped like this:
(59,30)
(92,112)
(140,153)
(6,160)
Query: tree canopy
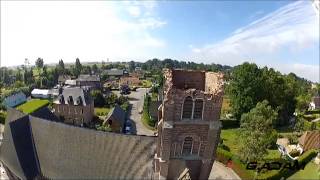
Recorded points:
(257,133)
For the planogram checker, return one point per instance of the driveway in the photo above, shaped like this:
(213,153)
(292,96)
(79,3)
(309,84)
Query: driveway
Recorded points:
(136,99)
(220,171)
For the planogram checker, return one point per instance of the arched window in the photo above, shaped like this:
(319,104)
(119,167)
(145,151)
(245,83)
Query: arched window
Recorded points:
(198,106)
(70,100)
(187,146)
(187,108)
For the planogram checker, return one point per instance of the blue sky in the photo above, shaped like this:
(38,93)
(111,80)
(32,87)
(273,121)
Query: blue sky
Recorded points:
(280,34)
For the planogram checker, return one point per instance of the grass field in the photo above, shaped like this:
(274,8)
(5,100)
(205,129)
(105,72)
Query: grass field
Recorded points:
(231,139)
(101,111)
(146,83)
(32,105)
(311,171)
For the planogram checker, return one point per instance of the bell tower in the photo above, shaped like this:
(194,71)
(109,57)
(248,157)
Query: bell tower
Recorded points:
(188,126)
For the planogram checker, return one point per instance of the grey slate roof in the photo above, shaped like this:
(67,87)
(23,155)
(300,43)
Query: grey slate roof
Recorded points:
(114,72)
(63,78)
(77,94)
(118,113)
(59,151)
(88,77)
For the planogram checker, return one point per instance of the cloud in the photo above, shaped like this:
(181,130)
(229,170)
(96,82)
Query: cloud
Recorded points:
(89,30)
(294,27)
(134,11)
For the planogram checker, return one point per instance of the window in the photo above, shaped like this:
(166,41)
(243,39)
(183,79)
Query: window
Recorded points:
(187,108)
(198,106)
(70,100)
(187,146)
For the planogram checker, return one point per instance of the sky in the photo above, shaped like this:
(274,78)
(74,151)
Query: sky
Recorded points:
(282,34)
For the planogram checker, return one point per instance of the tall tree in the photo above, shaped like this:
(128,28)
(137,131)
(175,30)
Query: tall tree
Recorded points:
(61,68)
(39,65)
(245,88)
(95,69)
(78,67)
(256,130)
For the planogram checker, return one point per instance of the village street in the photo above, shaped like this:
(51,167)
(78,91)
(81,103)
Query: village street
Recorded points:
(136,99)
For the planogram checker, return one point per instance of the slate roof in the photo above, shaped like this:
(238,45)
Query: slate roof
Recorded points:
(78,94)
(34,146)
(117,113)
(63,78)
(88,77)
(114,72)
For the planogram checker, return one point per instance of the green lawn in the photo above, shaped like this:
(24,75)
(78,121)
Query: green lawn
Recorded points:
(311,171)
(231,139)
(101,111)
(32,105)
(146,83)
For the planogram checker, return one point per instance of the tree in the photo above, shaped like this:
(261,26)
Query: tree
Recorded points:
(94,69)
(245,88)
(98,98)
(61,68)
(78,67)
(132,66)
(303,102)
(39,63)
(299,123)
(256,130)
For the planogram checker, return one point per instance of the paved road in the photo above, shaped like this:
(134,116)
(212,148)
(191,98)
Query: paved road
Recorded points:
(134,117)
(220,171)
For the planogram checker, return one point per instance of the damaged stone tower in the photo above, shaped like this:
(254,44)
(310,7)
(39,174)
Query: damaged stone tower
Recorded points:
(189,126)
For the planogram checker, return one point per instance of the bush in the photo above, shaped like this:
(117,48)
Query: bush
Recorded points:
(3,116)
(294,153)
(230,124)
(146,118)
(293,139)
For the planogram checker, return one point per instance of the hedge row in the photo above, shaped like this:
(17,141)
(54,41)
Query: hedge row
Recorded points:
(228,124)
(223,156)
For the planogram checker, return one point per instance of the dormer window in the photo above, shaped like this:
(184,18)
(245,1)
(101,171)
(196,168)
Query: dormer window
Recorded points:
(70,100)
(192,109)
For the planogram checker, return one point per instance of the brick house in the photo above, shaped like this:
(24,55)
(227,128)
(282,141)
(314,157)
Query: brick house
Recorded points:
(189,126)
(74,106)
(130,81)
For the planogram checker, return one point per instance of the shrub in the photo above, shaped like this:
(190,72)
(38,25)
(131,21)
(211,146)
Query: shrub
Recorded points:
(230,124)
(3,116)
(294,153)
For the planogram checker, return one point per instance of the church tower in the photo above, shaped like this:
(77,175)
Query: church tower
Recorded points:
(188,126)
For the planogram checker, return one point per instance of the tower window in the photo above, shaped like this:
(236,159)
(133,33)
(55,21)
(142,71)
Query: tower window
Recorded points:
(198,106)
(187,108)
(187,146)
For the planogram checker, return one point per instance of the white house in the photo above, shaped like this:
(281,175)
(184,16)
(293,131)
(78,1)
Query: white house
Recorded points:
(15,99)
(40,93)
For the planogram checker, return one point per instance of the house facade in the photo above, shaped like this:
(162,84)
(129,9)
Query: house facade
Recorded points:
(189,126)
(74,106)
